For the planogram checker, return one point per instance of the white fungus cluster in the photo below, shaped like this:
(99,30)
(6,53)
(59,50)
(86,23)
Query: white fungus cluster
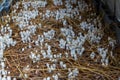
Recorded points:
(39,41)
(72,74)
(47,78)
(112,42)
(34,4)
(5,39)
(73,1)
(3,72)
(5,42)
(55,77)
(74,45)
(32,29)
(22,18)
(6,29)
(92,55)
(94,35)
(63,65)
(62,43)
(49,35)
(51,67)
(103,53)
(25,35)
(69,11)
(34,57)
(37,4)
(47,53)
(86,26)
(57,2)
